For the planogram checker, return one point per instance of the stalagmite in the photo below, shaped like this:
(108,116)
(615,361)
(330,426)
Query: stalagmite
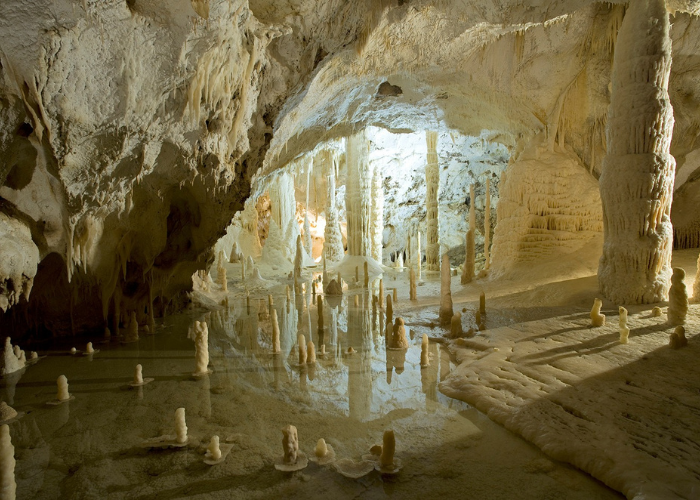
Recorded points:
(11,362)
(333,240)
(482,303)
(424,356)
(233,258)
(275,332)
(222,279)
(366,275)
(678,338)
(201,345)
(132,332)
(597,319)
(395,295)
(308,245)
(636,183)
(487,224)
(656,312)
(468,268)
(376,229)
(89,349)
(62,384)
(8,486)
(357,274)
(398,338)
(301,341)
(358,196)
(456,326)
(323,453)
(445,292)
(180,426)
(412,284)
(311,353)
(380,298)
(624,330)
(387,463)
(432,181)
(213,450)
(290,444)
(138,375)
(677,298)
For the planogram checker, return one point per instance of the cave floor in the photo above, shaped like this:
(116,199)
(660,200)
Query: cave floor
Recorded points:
(90,447)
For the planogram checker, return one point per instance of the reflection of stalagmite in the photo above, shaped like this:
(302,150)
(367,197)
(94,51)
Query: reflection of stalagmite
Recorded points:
(636,183)
(275,332)
(8,486)
(432,181)
(445,292)
(412,284)
(301,341)
(398,338)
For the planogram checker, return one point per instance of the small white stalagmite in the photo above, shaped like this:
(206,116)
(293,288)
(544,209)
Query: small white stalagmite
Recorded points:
(214,450)
(62,384)
(624,330)
(677,298)
(132,333)
(201,345)
(180,426)
(311,353)
(445,292)
(597,319)
(138,375)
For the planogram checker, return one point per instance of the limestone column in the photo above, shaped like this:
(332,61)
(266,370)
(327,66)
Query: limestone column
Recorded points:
(432,180)
(283,211)
(333,239)
(636,184)
(487,224)
(358,203)
(307,225)
(377,220)
(468,268)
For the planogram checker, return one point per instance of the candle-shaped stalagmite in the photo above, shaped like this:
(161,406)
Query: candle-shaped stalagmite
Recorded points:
(301,340)
(412,284)
(597,319)
(677,298)
(275,332)
(381,294)
(62,383)
(624,330)
(321,448)
(424,358)
(180,426)
(311,353)
(323,349)
(213,450)
(223,281)
(8,486)
(398,339)
(445,292)
(201,345)
(89,349)
(386,459)
(138,375)
(482,303)
(290,444)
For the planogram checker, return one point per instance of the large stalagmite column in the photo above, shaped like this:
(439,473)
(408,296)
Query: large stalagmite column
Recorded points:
(636,184)
(358,203)
(470,250)
(377,221)
(487,225)
(432,180)
(333,239)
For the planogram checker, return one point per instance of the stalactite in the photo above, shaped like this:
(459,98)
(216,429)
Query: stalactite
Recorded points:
(636,184)
(432,179)
(377,219)
(307,224)
(357,196)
